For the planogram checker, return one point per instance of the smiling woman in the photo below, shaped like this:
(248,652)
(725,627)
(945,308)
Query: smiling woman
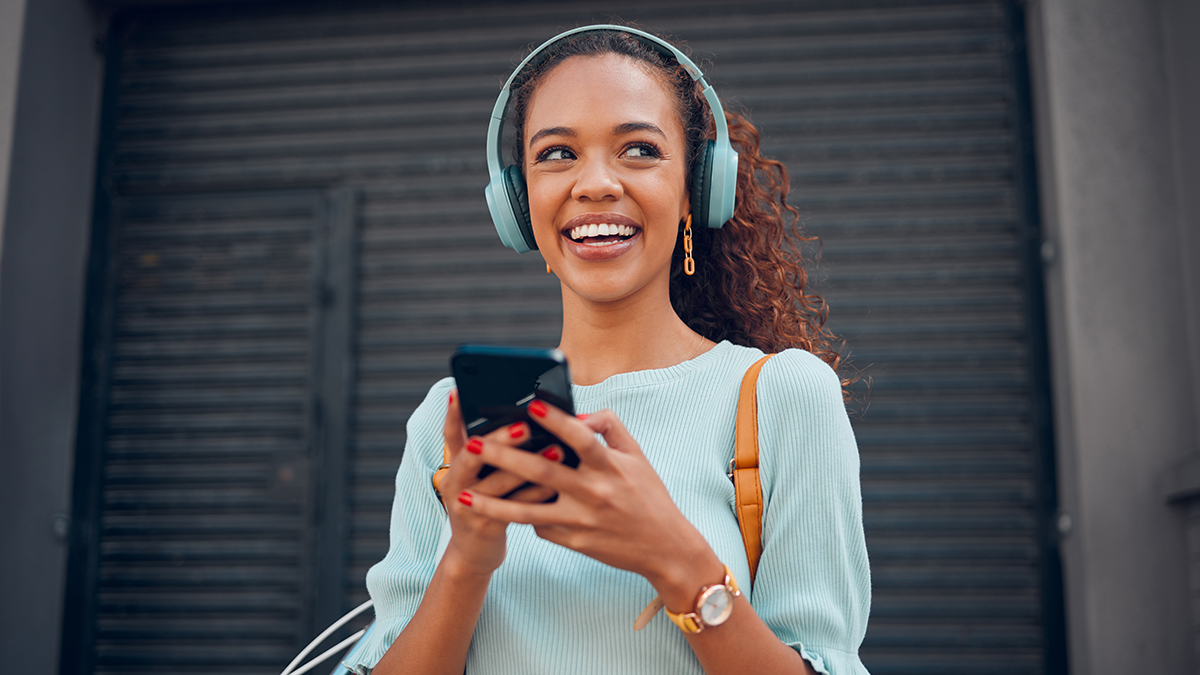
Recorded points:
(624,156)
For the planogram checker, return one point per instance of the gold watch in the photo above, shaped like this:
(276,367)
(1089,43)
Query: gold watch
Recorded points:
(714,604)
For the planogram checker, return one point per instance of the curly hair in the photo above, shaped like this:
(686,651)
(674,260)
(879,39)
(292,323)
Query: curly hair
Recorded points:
(749,286)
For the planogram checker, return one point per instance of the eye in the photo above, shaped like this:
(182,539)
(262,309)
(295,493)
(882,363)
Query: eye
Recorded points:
(642,150)
(555,153)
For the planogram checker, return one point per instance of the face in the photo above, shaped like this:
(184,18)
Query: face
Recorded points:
(605,164)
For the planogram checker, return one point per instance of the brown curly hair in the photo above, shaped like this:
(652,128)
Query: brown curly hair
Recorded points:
(750,274)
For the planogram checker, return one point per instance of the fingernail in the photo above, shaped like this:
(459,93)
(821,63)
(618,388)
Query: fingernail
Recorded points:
(582,416)
(551,453)
(537,409)
(516,430)
(465,498)
(475,446)
(451,398)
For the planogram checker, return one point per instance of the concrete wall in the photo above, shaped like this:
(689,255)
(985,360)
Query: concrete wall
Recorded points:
(1121,297)
(46,222)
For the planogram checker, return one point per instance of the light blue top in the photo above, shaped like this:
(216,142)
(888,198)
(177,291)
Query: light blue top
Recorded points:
(551,610)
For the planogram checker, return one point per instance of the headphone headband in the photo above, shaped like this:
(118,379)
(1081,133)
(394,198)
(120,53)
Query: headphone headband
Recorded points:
(511,218)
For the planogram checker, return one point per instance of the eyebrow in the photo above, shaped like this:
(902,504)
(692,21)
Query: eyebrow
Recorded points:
(630,127)
(620,130)
(553,131)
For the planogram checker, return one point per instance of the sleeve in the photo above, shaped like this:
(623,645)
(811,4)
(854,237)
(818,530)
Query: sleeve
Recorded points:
(398,582)
(813,586)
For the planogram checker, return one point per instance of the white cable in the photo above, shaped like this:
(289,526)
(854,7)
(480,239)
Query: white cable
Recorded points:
(328,653)
(324,634)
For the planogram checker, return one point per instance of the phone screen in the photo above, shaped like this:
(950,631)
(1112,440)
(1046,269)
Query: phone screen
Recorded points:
(495,384)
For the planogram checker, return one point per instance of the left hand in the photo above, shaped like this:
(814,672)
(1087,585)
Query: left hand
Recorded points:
(612,508)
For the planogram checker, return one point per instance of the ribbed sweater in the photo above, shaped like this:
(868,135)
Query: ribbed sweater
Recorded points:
(551,610)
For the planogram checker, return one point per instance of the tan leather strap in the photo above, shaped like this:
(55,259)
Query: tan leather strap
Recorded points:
(744,473)
(746,485)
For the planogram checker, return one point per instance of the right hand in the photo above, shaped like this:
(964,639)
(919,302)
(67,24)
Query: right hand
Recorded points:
(478,542)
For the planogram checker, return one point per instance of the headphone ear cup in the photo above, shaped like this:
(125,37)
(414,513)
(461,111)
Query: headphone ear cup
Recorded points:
(702,184)
(518,196)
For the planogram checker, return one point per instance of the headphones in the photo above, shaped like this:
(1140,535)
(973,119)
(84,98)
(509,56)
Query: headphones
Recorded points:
(714,178)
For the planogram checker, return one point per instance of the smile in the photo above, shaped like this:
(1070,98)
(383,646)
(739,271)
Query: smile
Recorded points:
(600,234)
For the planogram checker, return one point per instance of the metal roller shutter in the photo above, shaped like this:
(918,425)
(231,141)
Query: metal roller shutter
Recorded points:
(901,122)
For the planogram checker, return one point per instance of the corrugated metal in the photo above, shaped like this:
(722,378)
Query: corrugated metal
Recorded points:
(898,121)
(205,524)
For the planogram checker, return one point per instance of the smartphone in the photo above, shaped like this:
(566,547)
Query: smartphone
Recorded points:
(495,384)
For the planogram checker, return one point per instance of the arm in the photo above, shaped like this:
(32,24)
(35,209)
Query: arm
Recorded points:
(437,636)
(616,510)
(813,586)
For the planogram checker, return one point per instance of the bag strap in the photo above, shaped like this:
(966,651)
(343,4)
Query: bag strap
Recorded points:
(743,469)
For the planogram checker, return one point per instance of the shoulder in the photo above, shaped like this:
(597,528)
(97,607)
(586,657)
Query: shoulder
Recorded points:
(427,421)
(799,377)
(435,401)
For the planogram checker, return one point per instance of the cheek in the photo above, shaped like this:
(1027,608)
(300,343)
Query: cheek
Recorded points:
(543,199)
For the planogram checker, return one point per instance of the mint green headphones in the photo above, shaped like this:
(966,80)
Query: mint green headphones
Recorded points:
(714,178)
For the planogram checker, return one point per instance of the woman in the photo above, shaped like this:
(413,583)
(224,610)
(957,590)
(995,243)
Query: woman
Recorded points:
(609,126)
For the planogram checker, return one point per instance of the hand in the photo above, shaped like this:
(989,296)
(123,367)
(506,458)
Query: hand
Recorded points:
(477,541)
(613,507)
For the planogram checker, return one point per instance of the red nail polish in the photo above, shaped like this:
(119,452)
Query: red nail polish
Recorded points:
(451,398)
(551,453)
(582,416)
(516,430)
(475,446)
(538,409)
(465,498)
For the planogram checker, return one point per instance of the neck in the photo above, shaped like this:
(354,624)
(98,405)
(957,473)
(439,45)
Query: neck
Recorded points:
(640,333)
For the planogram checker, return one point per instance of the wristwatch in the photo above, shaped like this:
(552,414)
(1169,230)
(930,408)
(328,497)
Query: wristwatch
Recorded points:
(714,604)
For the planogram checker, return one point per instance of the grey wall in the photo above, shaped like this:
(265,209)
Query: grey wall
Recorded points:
(1113,161)
(1181,20)
(12,20)
(47,219)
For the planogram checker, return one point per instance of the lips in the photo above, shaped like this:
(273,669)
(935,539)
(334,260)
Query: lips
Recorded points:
(600,236)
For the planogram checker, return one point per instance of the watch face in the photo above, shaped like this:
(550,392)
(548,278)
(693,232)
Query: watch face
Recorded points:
(716,605)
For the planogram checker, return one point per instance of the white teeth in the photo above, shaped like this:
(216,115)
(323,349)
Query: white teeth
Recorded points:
(600,230)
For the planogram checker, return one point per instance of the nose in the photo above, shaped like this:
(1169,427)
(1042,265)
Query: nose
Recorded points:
(597,181)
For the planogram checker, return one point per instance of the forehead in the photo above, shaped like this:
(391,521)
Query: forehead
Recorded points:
(602,90)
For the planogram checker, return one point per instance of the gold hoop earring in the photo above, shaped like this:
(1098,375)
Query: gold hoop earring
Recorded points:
(689,263)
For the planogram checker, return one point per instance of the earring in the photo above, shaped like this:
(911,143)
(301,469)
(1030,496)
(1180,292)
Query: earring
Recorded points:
(547,268)
(689,263)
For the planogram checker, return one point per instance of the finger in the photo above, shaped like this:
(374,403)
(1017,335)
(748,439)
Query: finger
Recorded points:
(524,465)
(607,424)
(534,494)
(571,431)
(502,483)
(465,466)
(453,432)
(509,510)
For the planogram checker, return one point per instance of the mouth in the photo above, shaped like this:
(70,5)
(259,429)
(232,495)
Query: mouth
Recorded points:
(600,234)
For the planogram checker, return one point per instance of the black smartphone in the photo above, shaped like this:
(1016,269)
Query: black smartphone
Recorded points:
(495,384)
